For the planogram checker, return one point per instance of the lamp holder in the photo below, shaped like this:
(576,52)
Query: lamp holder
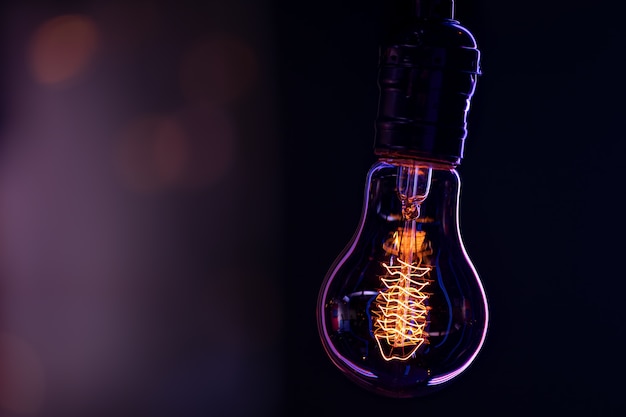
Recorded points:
(428,68)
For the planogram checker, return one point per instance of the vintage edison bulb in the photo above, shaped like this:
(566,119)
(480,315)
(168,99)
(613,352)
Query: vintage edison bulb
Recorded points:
(402,310)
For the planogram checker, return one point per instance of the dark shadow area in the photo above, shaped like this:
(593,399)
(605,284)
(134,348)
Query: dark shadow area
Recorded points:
(540,211)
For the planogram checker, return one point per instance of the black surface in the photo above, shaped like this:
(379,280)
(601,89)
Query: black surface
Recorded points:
(540,211)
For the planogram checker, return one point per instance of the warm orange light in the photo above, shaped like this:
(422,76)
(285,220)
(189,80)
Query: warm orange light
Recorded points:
(193,148)
(62,48)
(152,154)
(400,309)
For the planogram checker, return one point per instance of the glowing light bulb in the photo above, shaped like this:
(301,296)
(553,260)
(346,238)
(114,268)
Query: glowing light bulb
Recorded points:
(402,311)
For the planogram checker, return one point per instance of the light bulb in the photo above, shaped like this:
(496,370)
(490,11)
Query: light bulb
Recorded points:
(402,311)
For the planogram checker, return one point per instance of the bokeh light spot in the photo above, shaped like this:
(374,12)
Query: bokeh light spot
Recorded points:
(191,148)
(220,69)
(212,138)
(62,48)
(21,376)
(152,153)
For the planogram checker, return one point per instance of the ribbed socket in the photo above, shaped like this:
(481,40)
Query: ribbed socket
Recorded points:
(427,76)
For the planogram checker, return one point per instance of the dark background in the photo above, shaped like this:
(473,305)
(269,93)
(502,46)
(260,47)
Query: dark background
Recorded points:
(169,206)
(540,201)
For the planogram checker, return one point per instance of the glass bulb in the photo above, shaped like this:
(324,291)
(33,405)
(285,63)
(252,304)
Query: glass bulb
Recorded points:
(402,311)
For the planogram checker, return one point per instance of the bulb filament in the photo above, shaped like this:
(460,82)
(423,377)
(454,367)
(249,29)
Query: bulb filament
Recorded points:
(400,310)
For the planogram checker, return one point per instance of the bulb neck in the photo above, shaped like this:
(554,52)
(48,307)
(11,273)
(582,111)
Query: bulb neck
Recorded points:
(428,69)
(415,162)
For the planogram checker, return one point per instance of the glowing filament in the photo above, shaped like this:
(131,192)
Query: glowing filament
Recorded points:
(401,311)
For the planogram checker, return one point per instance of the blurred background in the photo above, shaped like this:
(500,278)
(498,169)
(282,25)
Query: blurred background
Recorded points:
(140,210)
(177,177)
